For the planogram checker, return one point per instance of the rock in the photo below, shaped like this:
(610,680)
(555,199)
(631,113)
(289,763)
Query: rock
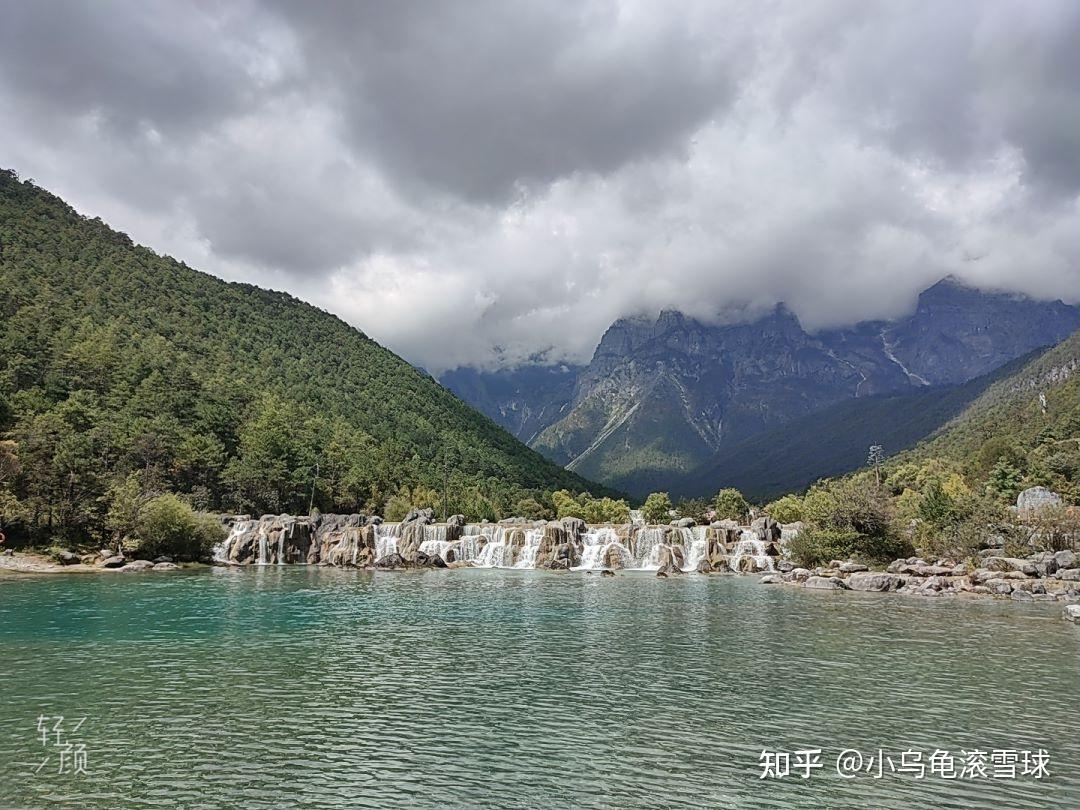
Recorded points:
(770,579)
(661,575)
(961,570)
(137,566)
(455,520)
(1036,498)
(391,561)
(68,558)
(685,523)
(560,565)
(575,527)
(767,529)
(800,574)
(874,581)
(999,586)
(705,567)
(1066,559)
(423,516)
(607,572)
(1069,575)
(1025,567)
(785,567)
(1022,596)
(114,561)
(727,523)
(166,566)
(162,559)
(826,583)
(1072,613)
(668,563)
(1046,567)
(852,567)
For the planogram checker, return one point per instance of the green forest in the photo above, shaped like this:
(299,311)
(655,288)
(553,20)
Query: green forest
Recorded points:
(126,376)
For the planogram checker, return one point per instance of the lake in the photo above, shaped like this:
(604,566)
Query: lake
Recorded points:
(277,686)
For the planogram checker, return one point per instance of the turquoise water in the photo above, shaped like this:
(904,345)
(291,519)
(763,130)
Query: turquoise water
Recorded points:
(324,688)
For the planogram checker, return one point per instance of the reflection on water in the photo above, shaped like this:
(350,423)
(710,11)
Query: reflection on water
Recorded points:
(329,688)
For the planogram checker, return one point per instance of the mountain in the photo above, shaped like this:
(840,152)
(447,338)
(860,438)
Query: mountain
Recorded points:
(662,397)
(524,400)
(834,440)
(115,361)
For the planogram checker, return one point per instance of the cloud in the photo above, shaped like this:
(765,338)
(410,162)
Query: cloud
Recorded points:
(478,183)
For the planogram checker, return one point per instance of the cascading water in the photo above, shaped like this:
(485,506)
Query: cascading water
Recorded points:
(598,544)
(496,553)
(751,546)
(533,538)
(650,540)
(695,548)
(435,543)
(262,547)
(386,537)
(221,550)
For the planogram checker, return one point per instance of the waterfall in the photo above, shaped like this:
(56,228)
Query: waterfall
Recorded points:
(262,546)
(750,545)
(650,540)
(533,538)
(386,537)
(597,545)
(496,553)
(221,550)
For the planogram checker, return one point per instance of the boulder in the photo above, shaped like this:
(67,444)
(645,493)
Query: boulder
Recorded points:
(852,567)
(1072,613)
(685,523)
(771,579)
(574,527)
(704,567)
(785,567)
(391,561)
(826,583)
(163,559)
(136,566)
(1022,596)
(661,575)
(1069,575)
(668,562)
(1066,559)
(422,516)
(1035,498)
(455,520)
(115,561)
(999,586)
(607,572)
(767,529)
(874,581)
(1025,567)
(68,558)
(800,574)
(166,566)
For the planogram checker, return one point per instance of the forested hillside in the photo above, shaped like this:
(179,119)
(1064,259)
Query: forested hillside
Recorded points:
(1025,429)
(124,373)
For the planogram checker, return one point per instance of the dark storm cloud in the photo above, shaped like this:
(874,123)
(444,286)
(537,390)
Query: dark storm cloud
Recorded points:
(453,177)
(476,97)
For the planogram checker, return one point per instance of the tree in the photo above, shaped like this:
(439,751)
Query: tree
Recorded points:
(731,505)
(169,526)
(788,509)
(657,508)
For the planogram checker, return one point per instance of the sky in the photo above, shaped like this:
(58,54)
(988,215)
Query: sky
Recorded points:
(489,183)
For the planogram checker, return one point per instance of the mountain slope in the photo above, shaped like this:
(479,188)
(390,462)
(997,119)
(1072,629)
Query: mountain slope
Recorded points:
(114,360)
(834,440)
(1030,419)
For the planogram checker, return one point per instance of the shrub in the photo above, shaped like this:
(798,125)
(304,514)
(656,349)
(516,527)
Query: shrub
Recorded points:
(532,509)
(817,546)
(731,505)
(788,509)
(168,525)
(657,508)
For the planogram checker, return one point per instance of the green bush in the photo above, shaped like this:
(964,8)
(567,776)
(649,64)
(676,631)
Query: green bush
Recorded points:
(731,505)
(815,546)
(657,508)
(170,526)
(788,509)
